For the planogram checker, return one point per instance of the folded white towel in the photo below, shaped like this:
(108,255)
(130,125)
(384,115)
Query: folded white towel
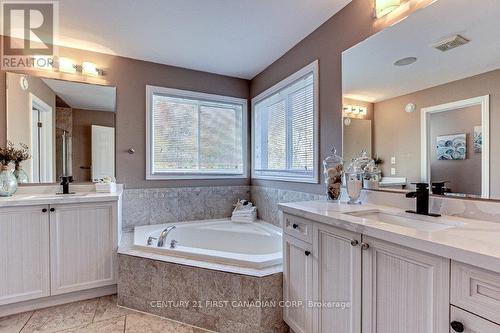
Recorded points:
(244,213)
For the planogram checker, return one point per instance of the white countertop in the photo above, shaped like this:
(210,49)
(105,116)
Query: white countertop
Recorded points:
(49,197)
(474,242)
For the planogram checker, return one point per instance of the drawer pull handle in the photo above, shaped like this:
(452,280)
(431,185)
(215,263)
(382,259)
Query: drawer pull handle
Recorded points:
(307,253)
(354,242)
(365,246)
(52,209)
(295,225)
(44,210)
(457,326)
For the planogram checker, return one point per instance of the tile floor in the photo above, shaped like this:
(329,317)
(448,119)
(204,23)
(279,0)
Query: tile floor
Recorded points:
(98,315)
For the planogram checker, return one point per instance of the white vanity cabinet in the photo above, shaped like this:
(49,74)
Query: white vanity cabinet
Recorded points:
(404,290)
(337,280)
(54,249)
(24,249)
(362,284)
(297,283)
(82,246)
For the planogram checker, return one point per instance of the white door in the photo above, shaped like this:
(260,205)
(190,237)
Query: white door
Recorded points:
(404,290)
(337,280)
(42,141)
(297,284)
(103,152)
(24,248)
(83,246)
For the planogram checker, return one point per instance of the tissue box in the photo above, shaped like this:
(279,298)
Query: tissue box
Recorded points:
(105,187)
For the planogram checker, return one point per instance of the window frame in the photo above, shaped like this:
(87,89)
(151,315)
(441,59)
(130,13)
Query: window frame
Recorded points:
(287,175)
(178,93)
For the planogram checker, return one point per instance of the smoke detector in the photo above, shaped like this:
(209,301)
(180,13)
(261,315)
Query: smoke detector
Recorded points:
(450,43)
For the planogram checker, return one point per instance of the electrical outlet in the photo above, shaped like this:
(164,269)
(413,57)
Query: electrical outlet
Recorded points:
(393,160)
(393,171)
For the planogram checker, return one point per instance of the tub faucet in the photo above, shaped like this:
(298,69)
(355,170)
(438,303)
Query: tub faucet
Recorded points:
(422,196)
(163,235)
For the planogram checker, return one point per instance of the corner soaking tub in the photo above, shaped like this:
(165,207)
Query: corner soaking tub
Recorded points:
(243,248)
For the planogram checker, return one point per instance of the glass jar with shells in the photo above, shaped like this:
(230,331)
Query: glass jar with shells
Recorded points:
(333,168)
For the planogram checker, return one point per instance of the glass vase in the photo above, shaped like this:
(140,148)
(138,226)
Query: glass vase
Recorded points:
(21,175)
(8,182)
(333,169)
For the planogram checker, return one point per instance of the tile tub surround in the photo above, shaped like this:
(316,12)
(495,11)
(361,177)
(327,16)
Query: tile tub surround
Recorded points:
(163,205)
(158,288)
(267,199)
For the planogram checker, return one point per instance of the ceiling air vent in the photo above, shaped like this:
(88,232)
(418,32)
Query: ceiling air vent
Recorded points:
(450,43)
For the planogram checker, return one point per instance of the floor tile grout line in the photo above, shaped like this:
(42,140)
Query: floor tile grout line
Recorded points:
(95,310)
(125,323)
(26,323)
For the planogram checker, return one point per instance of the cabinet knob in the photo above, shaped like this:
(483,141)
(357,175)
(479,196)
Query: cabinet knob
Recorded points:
(52,209)
(364,246)
(44,210)
(295,225)
(354,242)
(457,326)
(307,253)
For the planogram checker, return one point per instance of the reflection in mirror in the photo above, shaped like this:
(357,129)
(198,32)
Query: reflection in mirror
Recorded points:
(434,92)
(69,128)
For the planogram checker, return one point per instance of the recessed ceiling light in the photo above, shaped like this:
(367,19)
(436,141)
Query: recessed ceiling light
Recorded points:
(405,61)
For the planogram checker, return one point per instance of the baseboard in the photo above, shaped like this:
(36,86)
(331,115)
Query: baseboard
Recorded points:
(44,302)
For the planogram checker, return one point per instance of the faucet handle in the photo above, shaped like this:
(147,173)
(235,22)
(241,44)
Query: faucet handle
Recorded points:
(150,240)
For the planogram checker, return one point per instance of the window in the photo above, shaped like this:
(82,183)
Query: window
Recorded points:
(285,129)
(195,135)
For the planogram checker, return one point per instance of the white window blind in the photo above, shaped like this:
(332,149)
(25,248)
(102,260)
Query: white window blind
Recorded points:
(193,135)
(284,129)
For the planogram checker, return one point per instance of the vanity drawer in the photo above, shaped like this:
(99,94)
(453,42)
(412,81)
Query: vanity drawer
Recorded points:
(298,227)
(476,290)
(471,323)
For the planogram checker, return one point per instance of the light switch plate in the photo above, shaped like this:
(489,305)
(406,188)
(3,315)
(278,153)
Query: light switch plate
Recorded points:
(393,160)
(393,171)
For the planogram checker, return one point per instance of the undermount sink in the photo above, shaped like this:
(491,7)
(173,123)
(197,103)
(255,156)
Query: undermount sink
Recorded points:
(422,223)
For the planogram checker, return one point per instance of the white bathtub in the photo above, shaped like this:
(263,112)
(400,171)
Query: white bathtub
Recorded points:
(245,248)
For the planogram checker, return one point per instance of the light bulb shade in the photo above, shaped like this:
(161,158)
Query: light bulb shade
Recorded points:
(67,66)
(89,68)
(384,7)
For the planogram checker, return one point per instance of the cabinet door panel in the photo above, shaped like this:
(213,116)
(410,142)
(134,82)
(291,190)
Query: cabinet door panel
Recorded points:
(404,290)
(24,259)
(297,284)
(337,277)
(83,246)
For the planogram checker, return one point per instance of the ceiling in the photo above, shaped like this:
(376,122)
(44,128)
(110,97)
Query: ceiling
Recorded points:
(84,96)
(238,38)
(367,68)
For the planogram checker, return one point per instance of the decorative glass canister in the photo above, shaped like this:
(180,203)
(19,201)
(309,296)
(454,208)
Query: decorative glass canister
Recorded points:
(372,176)
(8,182)
(333,168)
(21,175)
(354,182)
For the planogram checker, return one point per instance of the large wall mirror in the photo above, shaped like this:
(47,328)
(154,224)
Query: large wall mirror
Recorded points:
(67,128)
(423,98)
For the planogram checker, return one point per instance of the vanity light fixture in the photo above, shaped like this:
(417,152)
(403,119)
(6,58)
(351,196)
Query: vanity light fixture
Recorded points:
(67,66)
(89,68)
(355,110)
(384,7)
